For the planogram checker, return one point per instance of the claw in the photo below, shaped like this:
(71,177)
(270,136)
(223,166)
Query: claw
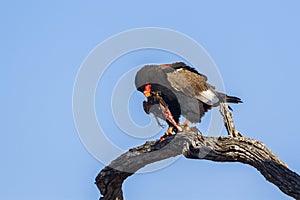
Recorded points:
(186,122)
(168,133)
(162,138)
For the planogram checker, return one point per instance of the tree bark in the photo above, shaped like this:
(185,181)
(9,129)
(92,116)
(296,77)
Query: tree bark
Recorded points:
(194,145)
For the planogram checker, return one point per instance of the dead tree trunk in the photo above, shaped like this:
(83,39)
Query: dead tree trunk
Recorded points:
(193,145)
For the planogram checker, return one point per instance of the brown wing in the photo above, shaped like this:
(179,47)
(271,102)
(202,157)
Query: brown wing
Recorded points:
(192,84)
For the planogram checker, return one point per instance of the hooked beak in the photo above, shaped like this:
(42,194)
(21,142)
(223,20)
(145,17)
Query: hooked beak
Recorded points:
(147,94)
(147,91)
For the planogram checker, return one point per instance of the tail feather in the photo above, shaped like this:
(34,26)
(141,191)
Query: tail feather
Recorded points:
(229,99)
(232,99)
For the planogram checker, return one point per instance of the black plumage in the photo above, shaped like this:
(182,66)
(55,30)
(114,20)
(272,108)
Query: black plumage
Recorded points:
(182,89)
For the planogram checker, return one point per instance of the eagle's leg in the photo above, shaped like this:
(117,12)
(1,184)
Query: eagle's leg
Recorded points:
(168,133)
(186,123)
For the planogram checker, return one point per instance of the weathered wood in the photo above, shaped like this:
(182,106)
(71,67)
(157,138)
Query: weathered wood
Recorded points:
(228,121)
(192,144)
(196,146)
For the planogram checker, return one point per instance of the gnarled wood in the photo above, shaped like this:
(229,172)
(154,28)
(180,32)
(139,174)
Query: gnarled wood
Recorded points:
(196,146)
(193,145)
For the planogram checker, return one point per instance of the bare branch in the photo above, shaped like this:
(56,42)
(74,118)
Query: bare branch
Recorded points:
(196,146)
(228,121)
(234,148)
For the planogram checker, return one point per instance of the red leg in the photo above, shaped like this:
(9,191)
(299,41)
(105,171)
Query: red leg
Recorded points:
(169,132)
(186,122)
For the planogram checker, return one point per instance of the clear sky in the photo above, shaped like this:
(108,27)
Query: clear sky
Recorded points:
(255,45)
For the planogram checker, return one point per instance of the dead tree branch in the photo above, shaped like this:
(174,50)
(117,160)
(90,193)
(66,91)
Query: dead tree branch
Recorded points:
(228,121)
(196,146)
(193,145)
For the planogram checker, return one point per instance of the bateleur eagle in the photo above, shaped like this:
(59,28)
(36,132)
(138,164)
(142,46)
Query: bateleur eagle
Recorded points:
(176,89)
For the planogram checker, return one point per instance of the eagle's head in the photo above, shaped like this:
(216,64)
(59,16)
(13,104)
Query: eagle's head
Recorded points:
(150,75)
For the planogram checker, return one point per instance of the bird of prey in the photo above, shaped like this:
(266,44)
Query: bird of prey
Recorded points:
(177,89)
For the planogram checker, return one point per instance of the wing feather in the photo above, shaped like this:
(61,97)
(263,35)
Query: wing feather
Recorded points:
(192,84)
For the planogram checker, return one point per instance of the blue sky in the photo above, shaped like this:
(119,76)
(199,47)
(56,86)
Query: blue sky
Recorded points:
(255,45)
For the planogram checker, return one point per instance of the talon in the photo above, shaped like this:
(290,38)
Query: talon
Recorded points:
(168,133)
(162,138)
(186,123)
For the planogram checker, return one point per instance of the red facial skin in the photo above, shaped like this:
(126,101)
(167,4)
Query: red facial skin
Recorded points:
(147,90)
